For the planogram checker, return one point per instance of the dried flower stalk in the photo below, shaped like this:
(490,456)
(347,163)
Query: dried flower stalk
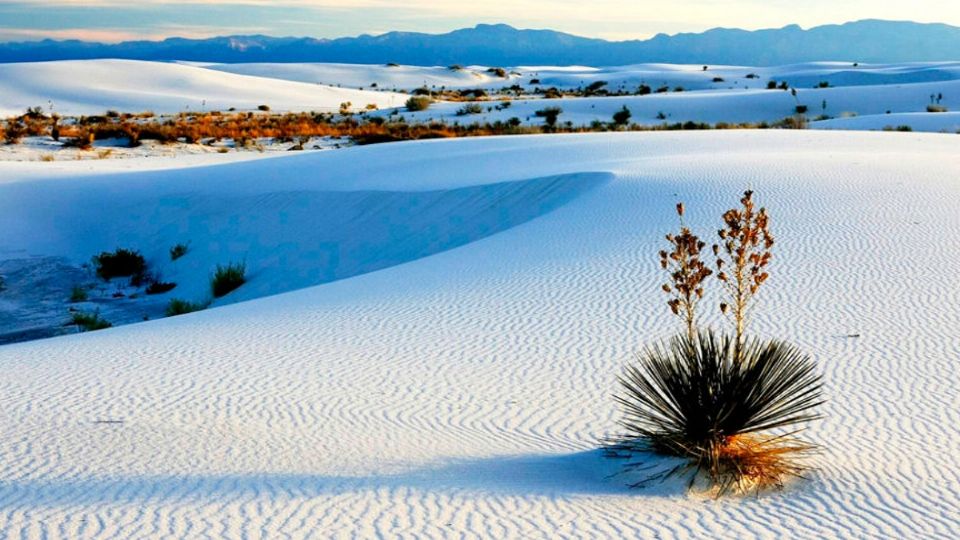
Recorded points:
(744,248)
(687,273)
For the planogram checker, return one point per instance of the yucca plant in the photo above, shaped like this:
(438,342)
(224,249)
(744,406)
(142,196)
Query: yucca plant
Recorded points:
(692,399)
(728,406)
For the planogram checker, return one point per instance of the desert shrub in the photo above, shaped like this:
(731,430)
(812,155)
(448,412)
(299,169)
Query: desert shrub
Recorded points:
(470,108)
(902,128)
(78,294)
(498,71)
(179,251)
(793,122)
(264,108)
(160,287)
(120,263)
(228,278)
(83,139)
(418,103)
(88,322)
(182,307)
(937,109)
(622,116)
(823,84)
(595,88)
(552,93)
(718,79)
(549,115)
(802,109)
(476,93)
(693,399)
(13,132)
(772,85)
(644,90)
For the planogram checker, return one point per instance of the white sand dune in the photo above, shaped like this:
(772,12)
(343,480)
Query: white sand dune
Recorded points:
(364,75)
(731,106)
(948,122)
(691,77)
(94,86)
(462,394)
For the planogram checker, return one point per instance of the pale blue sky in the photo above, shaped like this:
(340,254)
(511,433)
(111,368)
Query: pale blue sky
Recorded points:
(115,20)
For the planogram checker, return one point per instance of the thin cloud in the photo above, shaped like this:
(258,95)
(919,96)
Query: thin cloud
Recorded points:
(612,19)
(117,35)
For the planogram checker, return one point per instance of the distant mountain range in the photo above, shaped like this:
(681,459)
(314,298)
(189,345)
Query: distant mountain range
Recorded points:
(503,45)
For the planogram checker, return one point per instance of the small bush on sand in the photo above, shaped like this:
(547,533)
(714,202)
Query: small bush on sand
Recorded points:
(549,115)
(937,109)
(418,103)
(160,287)
(228,278)
(88,322)
(78,294)
(727,406)
(182,307)
(470,108)
(120,263)
(179,251)
(83,140)
(622,116)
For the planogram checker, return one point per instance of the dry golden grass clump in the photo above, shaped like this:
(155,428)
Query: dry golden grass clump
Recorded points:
(728,406)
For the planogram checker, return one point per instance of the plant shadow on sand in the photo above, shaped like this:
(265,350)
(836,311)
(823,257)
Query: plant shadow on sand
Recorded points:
(561,476)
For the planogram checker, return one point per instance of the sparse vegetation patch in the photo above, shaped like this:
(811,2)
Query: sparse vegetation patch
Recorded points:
(120,263)
(89,322)
(227,279)
(179,250)
(182,307)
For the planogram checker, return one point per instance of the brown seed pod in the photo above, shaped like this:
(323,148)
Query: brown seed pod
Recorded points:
(745,247)
(687,272)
